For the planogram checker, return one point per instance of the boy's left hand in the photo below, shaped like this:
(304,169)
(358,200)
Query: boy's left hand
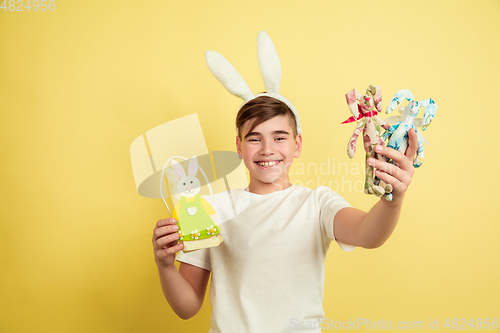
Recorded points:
(399,175)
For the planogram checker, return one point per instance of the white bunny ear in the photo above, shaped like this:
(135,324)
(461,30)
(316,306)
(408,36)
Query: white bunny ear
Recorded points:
(178,169)
(228,75)
(193,166)
(269,63)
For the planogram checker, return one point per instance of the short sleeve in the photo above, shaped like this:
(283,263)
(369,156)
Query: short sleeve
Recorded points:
(330,203)
(199,258)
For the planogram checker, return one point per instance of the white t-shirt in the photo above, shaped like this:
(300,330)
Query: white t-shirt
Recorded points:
(268,274)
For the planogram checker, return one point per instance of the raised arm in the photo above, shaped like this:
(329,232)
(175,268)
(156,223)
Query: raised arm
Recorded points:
(184,289)
(370,230)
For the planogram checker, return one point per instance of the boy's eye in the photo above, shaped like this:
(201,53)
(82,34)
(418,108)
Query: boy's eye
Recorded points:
(280,139)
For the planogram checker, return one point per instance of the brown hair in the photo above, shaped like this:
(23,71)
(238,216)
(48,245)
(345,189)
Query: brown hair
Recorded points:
(261,109)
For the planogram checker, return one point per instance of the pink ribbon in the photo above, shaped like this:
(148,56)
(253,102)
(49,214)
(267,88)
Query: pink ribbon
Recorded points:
(361,115)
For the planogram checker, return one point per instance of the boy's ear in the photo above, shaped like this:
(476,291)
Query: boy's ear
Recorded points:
(238,145)
(298,146)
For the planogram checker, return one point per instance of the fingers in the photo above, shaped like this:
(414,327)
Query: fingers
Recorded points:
(168,240)
(399,176)
(397,185)
(401,160)
(166,255)
(160,232)
(174,249)
(412,145)
(164,222)
(400,173)
(165,235)
(162,226)
(388,168)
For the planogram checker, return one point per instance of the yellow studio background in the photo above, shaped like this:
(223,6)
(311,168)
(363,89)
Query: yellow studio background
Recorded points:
(80,83)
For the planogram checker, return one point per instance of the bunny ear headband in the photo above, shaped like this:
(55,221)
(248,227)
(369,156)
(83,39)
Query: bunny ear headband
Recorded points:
(270,69)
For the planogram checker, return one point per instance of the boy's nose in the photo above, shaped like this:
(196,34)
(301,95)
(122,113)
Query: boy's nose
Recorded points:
(266,149)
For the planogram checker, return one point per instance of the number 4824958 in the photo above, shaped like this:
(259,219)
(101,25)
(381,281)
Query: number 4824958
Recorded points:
(19,6)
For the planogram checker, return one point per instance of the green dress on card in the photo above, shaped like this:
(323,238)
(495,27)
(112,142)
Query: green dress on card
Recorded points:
(194,221)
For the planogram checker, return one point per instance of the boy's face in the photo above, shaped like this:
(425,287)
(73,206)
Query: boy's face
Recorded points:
(268,152)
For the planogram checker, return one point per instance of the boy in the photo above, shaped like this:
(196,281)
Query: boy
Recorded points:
(269,272)
(253,293)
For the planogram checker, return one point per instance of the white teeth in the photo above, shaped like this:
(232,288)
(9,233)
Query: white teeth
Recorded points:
(268,164)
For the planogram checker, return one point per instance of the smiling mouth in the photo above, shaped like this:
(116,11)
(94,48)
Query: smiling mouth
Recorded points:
(267,164)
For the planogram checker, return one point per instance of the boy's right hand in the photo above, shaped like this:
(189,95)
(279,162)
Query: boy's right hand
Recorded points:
(165,242)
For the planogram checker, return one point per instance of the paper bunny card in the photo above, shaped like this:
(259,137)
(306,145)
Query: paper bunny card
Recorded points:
(194,214)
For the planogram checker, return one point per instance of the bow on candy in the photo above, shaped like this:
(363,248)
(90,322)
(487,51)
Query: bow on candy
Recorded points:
(369,106)
(361,115)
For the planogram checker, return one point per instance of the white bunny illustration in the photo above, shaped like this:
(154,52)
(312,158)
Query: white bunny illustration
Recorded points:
(187,186)
(195,215)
